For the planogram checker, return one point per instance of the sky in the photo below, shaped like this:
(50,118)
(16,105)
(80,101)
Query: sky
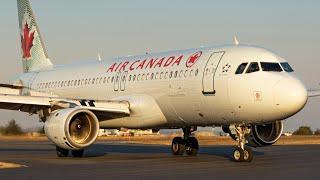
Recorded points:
(77,30)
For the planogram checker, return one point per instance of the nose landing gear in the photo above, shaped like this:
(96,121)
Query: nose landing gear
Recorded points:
(188,143)
(242,153)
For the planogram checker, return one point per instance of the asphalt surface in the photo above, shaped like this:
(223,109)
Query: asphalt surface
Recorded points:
(107,160)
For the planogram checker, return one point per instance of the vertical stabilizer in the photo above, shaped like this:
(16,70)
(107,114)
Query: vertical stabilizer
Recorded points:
(34,54)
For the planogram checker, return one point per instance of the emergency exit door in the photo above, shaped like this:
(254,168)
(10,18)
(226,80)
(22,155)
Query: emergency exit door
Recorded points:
(123,81)
(116,81)
(120,81)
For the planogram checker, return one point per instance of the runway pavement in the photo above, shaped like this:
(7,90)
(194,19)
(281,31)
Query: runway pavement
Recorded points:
(107,160)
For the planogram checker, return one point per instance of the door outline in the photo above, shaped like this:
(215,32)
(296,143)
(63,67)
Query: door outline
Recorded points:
(116,81)
(213,91)
(123,81)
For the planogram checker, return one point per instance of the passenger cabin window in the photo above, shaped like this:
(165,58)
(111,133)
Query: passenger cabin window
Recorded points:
(271,67)
(241,68)
(253,67)
(286,67)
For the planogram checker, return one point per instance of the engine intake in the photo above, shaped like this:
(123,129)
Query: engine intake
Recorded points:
(265,134)
(72,128)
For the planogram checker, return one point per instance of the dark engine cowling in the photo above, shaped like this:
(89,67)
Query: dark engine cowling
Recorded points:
(260,135)
(265,134)
(72,128)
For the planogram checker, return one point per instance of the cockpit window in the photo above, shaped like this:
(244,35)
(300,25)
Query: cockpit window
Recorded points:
(268,66)
(287,67)
(254,67)
(241,68)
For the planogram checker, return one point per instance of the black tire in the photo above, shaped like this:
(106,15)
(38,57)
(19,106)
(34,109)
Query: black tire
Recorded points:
(178,146)
(62,152)
(77,153)
(238,155)
(192,146)
(248,154)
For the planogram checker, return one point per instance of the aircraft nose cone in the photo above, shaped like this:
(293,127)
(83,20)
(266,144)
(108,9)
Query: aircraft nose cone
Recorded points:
(290,96)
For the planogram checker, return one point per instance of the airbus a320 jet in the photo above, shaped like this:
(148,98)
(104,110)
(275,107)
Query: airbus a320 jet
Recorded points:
(246,90)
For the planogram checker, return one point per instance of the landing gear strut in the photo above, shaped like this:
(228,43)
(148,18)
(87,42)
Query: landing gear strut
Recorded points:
(188,143)
(242,153)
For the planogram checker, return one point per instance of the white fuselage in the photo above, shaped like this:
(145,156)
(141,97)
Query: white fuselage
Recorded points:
(196,87)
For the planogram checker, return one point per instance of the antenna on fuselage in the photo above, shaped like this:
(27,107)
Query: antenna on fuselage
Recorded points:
(235,40)
(99,57)
(148,50)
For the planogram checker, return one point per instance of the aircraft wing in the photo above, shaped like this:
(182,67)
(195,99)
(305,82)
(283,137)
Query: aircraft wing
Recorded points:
(313,93)
(32,104)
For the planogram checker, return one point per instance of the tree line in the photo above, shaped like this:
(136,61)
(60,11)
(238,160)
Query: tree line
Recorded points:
(306,130)
(12,128)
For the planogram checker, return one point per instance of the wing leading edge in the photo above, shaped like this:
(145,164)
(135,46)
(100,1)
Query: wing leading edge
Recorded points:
(313,93)
(32,104)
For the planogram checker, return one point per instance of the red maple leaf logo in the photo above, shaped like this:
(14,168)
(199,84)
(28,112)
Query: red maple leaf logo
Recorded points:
(193,59)
(27,41)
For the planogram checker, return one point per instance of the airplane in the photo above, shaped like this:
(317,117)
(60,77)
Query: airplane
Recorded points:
(247,90)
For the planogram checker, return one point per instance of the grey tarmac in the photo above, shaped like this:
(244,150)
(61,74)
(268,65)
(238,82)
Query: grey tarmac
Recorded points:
(116,160)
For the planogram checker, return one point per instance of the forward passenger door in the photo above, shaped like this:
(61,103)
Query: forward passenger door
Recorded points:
(209,72)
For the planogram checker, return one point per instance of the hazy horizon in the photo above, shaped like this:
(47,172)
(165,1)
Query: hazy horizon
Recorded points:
(79,30)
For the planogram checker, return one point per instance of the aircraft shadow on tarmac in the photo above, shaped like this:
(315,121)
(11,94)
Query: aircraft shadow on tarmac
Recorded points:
(105,149)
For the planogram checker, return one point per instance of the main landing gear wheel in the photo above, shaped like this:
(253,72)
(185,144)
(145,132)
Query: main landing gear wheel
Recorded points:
(178,146)
(77,153)
(242,153)
(192,146)
(62,152)
(187,144)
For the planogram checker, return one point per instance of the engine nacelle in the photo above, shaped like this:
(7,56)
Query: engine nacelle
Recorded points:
(265,134)
(72,128)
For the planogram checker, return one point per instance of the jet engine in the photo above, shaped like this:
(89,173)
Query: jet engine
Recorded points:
(72,128)
(265,134)
(260,135)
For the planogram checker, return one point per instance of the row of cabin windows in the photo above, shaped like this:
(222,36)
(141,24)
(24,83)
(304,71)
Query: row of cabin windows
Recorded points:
(104,80)
(164,75)
(73,83)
